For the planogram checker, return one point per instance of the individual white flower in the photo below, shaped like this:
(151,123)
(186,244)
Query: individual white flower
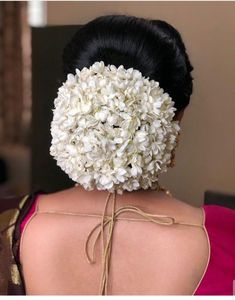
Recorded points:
(112,128)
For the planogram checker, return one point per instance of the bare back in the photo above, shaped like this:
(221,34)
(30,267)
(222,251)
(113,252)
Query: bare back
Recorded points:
(146,258)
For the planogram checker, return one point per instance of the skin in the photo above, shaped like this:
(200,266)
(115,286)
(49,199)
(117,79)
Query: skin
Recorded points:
(146,259)
(179,115)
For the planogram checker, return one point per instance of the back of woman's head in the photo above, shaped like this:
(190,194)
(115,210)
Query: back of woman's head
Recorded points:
(153,47)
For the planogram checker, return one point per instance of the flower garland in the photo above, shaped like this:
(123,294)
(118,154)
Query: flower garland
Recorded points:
(113,129)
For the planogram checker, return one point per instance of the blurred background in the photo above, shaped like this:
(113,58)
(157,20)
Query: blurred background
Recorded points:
(32,37)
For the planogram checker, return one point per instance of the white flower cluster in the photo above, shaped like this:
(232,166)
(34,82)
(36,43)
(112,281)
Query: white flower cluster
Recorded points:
(112,128)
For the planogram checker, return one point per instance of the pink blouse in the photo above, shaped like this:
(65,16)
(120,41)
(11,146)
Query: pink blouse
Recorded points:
(220,271)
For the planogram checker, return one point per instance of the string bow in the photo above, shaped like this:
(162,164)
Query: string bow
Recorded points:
(110,221)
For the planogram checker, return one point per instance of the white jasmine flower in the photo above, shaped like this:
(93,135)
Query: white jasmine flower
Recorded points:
(112,128)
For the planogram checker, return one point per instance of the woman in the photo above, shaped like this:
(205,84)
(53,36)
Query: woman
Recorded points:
(151,243)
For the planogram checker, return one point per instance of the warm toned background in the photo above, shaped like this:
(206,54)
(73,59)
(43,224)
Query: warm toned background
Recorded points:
(205,158)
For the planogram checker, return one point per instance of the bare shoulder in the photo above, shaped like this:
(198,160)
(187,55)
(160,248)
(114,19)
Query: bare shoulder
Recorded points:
(54,200)
(53,244)
(79,199)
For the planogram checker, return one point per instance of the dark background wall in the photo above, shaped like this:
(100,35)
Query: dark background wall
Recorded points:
(47,47)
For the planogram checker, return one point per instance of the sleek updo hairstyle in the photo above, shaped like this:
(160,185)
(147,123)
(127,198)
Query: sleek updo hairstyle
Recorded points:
(153,47)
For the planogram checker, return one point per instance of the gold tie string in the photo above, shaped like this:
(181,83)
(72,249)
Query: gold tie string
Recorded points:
(110,220)
(155,218)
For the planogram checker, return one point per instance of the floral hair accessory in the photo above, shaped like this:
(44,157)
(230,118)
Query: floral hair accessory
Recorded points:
(113,129)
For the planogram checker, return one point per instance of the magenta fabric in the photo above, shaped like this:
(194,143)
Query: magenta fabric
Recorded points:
(29,214)
(220,272)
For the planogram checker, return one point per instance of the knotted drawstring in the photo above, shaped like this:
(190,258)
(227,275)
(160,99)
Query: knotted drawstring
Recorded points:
(110,220)
(107,220)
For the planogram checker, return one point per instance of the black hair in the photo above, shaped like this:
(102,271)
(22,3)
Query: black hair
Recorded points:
(153,47)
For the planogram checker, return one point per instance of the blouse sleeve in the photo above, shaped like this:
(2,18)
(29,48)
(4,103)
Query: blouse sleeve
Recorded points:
(11,281)
(220,274)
